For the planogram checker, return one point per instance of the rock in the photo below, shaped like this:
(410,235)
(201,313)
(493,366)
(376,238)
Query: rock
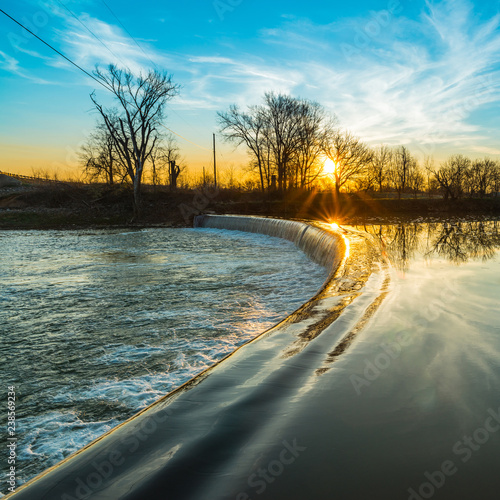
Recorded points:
(6,181)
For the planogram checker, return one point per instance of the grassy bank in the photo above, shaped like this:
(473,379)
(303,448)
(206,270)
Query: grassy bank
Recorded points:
(81,206)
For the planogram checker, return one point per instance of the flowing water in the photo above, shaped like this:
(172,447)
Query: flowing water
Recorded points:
(409,410)
(96,325)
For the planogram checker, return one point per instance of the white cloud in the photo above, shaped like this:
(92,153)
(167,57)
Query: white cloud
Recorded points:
(11,65)
(8,63)
(416,82)
(211,60)
(109,46)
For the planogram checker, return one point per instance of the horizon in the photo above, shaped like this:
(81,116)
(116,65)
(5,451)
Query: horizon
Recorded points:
(419,74)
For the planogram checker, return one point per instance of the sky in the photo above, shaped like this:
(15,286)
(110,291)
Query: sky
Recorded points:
(397,72)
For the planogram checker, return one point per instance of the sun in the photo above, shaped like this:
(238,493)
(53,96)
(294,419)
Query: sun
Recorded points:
(329,166)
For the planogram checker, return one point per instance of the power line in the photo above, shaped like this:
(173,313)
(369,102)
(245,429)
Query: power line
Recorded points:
(128,32)
(89,30)
(90,75)
(56,51)
(152,62)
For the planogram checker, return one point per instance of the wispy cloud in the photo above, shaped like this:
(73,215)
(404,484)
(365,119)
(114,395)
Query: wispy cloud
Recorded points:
(390,76)
(219,81)
(417,82)
(11,65)
(8,63)
(110,45)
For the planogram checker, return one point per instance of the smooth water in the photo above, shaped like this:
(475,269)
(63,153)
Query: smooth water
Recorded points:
(410,410)
(419,393)
(96,325)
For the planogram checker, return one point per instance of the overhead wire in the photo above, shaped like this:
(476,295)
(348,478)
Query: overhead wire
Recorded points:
(89,74)
(128,32)
(89,30)
(57,51)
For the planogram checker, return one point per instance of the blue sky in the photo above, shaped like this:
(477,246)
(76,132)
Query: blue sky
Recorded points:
(424,74)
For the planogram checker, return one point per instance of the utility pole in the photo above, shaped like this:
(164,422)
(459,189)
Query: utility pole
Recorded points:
(215,167)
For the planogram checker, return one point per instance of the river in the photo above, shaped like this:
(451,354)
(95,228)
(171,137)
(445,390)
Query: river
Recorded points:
(96,325)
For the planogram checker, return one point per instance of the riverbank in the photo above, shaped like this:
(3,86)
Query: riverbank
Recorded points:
(69,206)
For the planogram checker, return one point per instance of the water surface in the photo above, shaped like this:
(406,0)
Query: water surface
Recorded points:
(96,325)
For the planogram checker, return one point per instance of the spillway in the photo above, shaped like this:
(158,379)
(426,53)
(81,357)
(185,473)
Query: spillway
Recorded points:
(208,438)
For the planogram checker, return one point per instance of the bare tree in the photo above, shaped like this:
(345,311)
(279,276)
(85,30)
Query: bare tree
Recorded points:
(416,180)
(230,176)
(165,159)
(281,114)
(402,168)
(313,133)
(451,176)
(284,137)
(248,129)
(100,159)
(350,155)
(141,103)
(495,181)
(481,177)
(380,164)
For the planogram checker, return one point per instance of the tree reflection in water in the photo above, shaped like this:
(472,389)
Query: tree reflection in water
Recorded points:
(456,241)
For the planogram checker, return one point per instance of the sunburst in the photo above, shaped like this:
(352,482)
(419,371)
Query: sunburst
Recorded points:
(329,167)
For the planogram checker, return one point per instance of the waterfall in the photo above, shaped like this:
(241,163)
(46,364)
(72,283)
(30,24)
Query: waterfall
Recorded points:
(320,246)
(166,447)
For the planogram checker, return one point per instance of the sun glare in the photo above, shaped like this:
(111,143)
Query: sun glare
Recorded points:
(329,166)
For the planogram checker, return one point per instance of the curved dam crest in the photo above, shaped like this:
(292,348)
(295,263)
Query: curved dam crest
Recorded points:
(207,438)
(319,245)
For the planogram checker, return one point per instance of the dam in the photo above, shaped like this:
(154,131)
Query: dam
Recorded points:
(382,385)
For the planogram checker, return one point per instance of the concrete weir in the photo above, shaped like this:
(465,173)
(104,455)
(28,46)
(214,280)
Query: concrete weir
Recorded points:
(320,246)
(231,431)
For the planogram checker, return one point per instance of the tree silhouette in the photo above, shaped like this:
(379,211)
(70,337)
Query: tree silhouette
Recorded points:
(133,125)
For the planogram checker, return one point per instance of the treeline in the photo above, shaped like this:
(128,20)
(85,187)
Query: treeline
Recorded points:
(457,242)
(102,161)
(460,176)
(289,140)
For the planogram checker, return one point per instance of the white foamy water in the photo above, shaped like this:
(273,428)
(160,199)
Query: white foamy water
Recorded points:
(97,325)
